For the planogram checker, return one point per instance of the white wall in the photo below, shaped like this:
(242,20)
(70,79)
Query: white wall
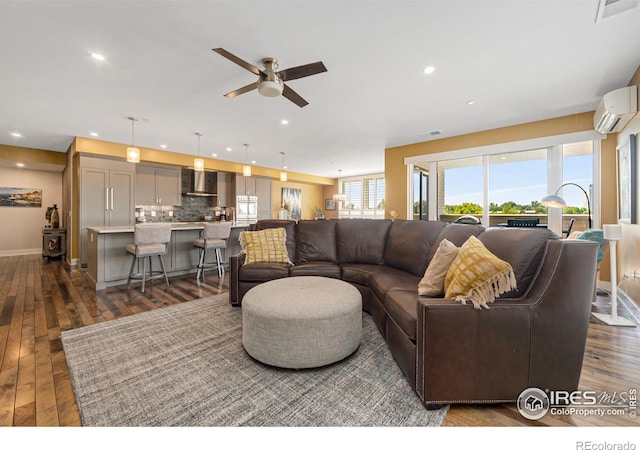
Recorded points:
(20,227)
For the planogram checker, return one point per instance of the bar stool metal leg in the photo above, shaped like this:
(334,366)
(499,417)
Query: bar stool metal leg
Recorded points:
(163,271)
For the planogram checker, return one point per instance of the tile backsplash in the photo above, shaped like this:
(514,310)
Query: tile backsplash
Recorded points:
(193,209)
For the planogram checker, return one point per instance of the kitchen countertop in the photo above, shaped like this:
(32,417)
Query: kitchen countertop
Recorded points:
(174,226)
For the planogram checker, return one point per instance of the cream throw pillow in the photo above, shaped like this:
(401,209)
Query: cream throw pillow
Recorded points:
(432,283)
(265,246)
(478,275)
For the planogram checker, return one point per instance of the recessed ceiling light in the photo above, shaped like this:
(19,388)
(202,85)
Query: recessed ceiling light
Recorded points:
(163,146)
(94,134)
(429,69)
(253,162)
(16,134)
(228,149)
(97,56)
(471,102)
(284,122)
(215,155)
(20,164)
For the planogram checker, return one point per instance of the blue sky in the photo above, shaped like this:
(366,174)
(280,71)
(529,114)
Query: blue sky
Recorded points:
(520,182)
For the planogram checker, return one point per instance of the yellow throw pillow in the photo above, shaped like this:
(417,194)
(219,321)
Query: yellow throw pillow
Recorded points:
(478,275)
(432,283)
(265,246)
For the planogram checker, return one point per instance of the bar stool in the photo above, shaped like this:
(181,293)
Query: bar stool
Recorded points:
(149,239)
(214,235)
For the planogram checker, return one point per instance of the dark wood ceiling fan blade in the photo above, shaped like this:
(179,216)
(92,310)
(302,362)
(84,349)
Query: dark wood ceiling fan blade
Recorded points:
(294,96)
(241,62)
(293,73)
(242,90)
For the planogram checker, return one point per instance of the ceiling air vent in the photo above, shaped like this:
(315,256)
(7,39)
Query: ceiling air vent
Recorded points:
(610,8)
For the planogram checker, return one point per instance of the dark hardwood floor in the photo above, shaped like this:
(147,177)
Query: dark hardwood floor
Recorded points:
(39,300)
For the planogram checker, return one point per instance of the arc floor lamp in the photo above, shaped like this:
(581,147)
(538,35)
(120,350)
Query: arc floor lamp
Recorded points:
(555,201)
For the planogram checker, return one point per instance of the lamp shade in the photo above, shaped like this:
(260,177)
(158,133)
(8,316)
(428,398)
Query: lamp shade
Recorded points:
(553,201)
(246,171)
(612,232)
(198,164)
(283,176)
(133,154)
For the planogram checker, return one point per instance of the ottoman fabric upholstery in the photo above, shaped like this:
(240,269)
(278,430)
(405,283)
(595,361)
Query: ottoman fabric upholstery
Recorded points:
(301,322)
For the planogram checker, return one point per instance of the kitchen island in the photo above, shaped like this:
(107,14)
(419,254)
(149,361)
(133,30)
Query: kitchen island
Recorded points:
(108,262)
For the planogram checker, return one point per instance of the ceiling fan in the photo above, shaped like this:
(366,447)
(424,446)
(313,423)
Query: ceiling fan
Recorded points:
(271,83)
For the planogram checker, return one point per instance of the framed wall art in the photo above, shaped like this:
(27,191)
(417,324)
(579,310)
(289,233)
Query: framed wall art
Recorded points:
(292,202)
(329,204)
(24,197)
(627,181)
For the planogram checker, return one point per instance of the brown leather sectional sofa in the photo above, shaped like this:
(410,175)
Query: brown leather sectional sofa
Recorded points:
(450,352)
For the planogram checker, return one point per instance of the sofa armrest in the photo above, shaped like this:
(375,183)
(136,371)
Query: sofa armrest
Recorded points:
(235,262)
(466,355)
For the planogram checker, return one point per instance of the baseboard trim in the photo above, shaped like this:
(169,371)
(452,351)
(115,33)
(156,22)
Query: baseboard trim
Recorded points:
(21,251)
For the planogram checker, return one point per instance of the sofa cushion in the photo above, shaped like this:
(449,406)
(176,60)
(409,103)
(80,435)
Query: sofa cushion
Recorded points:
(263,271)
(402,308)
(316,241)
(432,283)
(409,243)
(457,234)
(523,248)
(361,240)
(288,225)
(390,279)
(477,275)
(264,246)
(360,273)
(316,268)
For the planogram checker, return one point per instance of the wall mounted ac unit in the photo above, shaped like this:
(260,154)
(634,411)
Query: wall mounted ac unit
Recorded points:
(616,109)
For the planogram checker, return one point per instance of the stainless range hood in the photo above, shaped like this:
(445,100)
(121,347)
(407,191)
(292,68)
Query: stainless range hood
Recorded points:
(199,184)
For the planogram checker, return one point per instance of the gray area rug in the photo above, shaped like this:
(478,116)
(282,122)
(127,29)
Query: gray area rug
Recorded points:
(184,365)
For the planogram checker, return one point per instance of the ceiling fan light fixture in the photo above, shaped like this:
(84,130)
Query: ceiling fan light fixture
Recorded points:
(268,88)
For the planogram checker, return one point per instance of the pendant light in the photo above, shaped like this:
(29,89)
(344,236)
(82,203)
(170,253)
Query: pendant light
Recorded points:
(283,172)
(246,169)
(198,163)
(338,197)
(133,153)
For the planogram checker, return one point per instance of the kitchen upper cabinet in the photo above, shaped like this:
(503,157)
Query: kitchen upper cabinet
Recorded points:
(158,185)
(245,185)
(225,191)
(263,192)
(106,196)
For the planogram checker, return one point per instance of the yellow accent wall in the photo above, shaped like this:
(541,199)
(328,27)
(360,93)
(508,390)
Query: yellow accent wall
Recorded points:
(628,249)
(115,150)
(31,155)
(396,172)
(312,196)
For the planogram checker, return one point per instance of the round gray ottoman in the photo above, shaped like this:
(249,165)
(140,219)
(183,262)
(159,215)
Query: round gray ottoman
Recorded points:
(301,322)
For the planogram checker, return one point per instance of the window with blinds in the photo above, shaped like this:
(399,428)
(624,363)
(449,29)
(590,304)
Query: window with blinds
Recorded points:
(363,198)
